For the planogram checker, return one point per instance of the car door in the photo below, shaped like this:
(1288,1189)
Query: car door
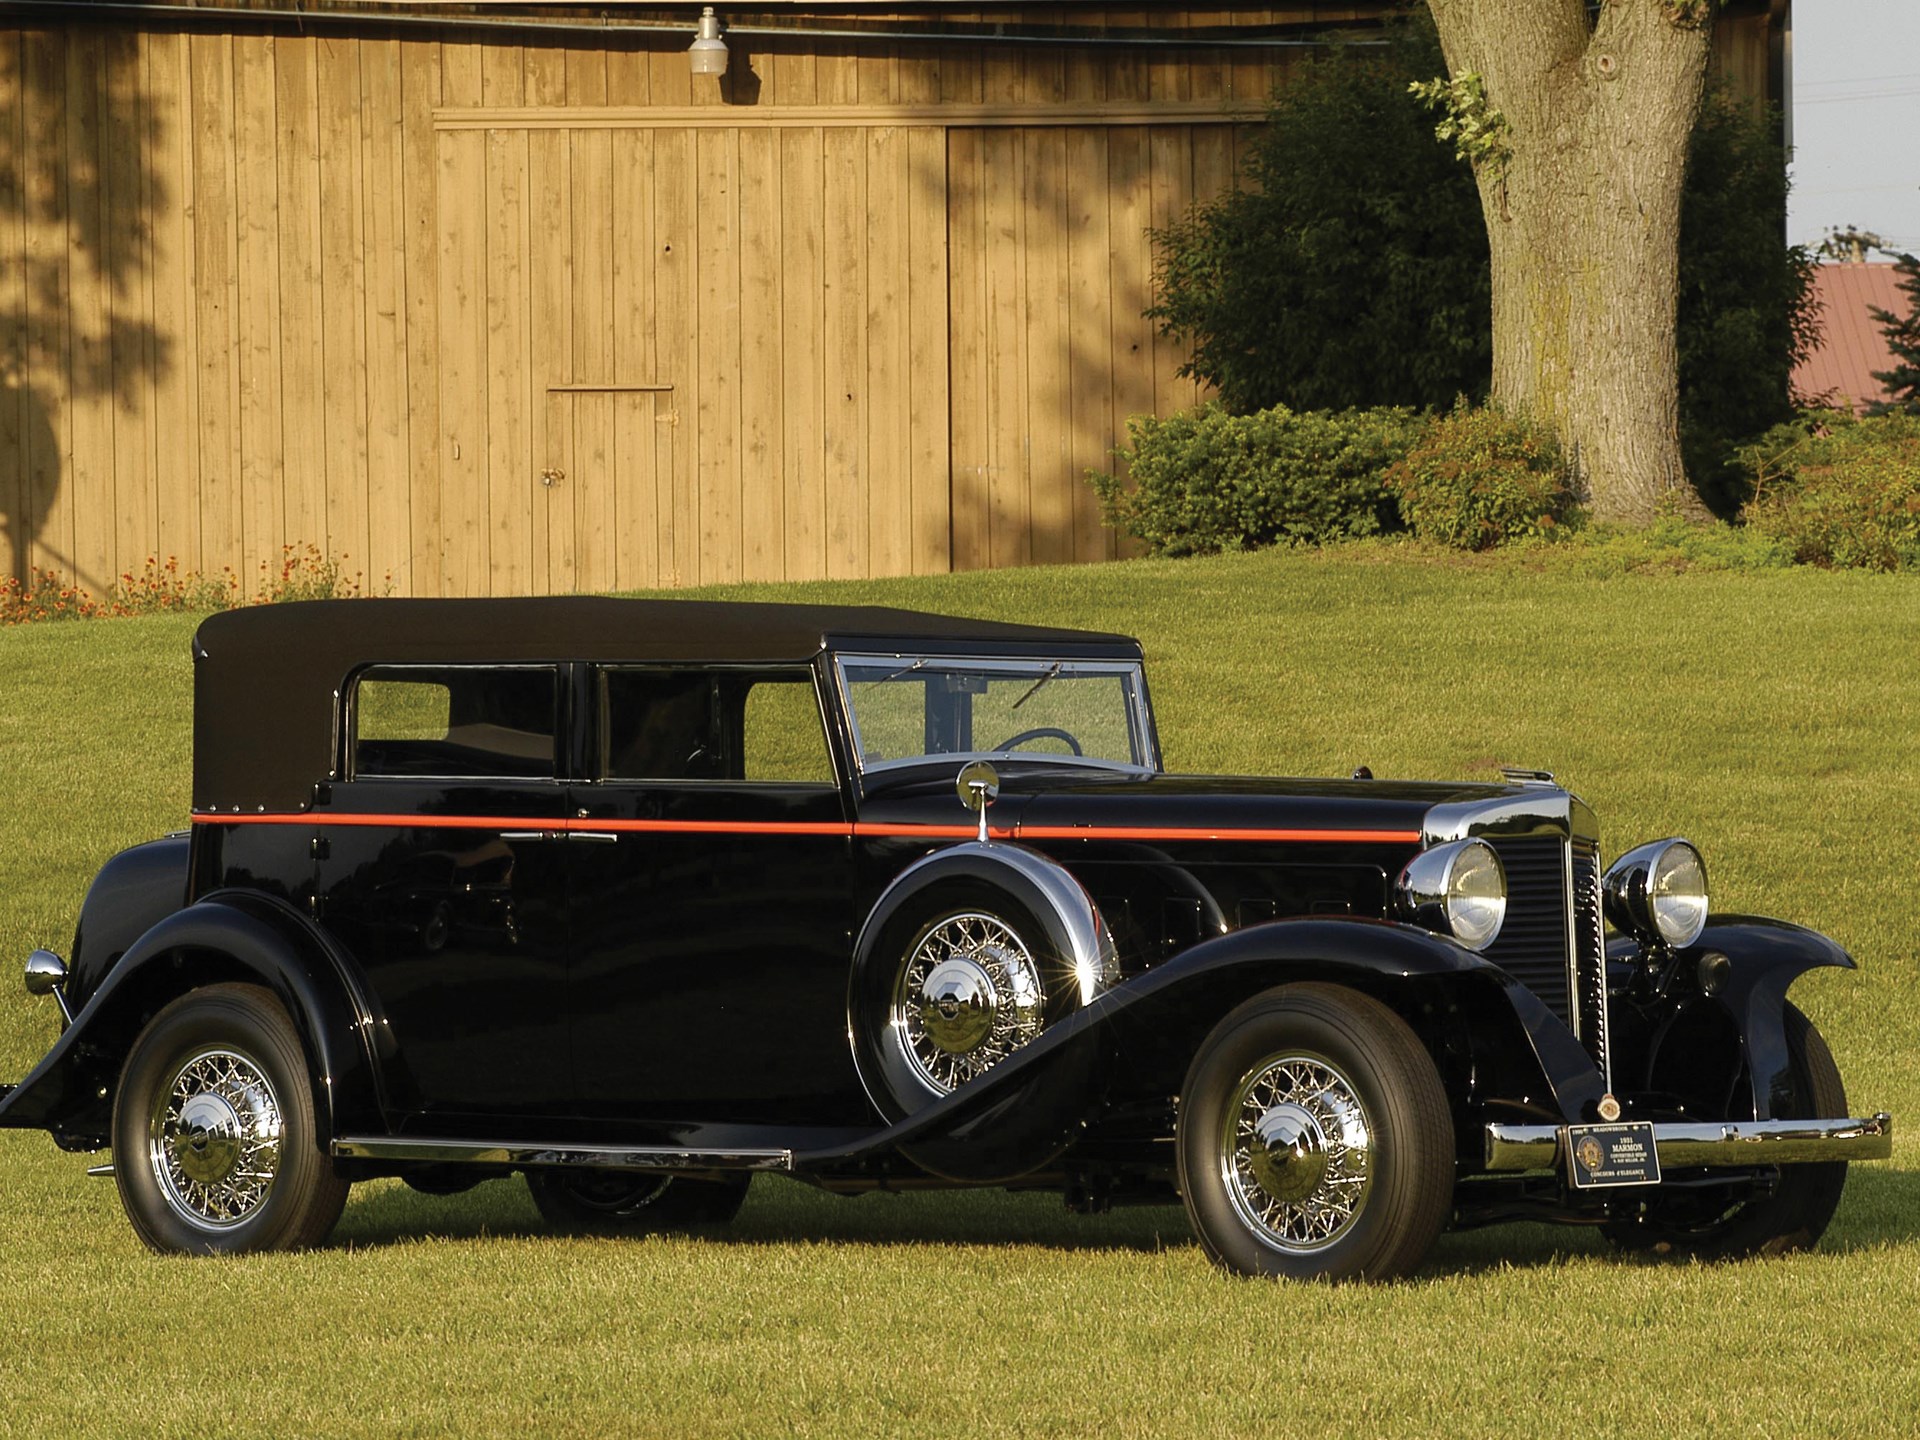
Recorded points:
(710,899)
(441,870)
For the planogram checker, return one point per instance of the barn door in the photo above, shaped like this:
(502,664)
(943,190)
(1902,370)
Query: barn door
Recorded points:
(607,487)
(788,281)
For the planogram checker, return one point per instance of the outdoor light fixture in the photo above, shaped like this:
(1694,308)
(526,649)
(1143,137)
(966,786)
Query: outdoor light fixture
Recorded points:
(708,53)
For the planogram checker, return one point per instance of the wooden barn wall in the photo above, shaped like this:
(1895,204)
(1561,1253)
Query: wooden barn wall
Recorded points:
(508,318)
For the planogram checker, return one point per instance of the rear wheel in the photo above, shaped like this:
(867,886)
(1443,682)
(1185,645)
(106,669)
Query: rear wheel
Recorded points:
(1705,1225)
(1314,1140)
(619,1202)
(216,1146)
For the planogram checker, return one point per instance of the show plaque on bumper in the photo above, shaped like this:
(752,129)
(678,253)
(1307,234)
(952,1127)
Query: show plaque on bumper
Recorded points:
(1712,1144)
(1601,1156)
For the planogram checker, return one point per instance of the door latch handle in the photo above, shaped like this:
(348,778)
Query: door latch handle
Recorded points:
(530,834)
(594,837)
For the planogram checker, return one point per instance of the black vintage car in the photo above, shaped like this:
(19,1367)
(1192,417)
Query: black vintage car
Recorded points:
(640,898)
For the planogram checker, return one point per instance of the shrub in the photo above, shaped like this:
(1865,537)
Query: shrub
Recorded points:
(1746,311)
(1852,497)
(1207,480)
(1476,478)
(1350,267)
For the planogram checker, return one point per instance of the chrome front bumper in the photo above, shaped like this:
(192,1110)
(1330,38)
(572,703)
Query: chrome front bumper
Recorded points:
(1728,1143)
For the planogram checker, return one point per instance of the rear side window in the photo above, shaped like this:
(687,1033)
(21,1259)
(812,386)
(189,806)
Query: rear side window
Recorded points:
(485,722)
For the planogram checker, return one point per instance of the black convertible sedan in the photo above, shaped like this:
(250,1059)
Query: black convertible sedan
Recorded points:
(639,898)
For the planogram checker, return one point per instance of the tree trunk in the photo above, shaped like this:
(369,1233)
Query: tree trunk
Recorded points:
(1584,224)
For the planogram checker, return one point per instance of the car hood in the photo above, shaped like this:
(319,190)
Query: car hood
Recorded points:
(1045,802)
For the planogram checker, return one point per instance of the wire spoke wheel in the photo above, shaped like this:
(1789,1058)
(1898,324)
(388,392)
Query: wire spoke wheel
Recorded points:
(218,1146)
(968,995)
(618,1202)
(214,1139)
(1296,1152)
(1313,1139)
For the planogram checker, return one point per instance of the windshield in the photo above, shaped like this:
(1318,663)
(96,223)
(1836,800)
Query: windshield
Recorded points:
(907,710)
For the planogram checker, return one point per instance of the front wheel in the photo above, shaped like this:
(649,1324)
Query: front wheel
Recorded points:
(619,1202)
(1314,1140)
(1703,1224)
(215,1142)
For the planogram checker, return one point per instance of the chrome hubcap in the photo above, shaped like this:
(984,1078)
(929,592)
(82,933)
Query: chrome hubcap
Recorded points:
(957,1005)
(206,1146)
(1296,1152)
(969,994)
(1288,1153)
(214,1140)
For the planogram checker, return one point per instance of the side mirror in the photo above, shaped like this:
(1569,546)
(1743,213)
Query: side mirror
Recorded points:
(979,786)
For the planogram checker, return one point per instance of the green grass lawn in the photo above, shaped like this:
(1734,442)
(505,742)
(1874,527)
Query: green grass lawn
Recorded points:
(1770,717)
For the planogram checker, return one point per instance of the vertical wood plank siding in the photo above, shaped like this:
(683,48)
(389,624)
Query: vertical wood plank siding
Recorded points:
(267,290)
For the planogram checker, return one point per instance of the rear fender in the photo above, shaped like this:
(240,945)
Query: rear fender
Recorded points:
(228,936)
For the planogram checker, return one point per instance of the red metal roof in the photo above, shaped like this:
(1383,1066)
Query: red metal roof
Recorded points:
(1851,345)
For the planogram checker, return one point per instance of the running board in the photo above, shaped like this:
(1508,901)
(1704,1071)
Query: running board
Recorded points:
(529,1155)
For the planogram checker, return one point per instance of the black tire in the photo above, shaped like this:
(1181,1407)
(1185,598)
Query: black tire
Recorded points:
(1322,1066)
(886,1048)
(1794,1217)
(217,1149)
(619,1202)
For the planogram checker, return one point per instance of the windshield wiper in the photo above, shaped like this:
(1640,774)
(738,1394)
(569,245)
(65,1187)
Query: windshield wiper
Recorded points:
(903,670)
(1052,670)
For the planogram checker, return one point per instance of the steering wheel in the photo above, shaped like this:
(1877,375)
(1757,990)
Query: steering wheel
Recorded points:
(1041,732)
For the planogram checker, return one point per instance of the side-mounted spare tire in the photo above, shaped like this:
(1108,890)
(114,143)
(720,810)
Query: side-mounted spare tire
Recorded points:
(970,955)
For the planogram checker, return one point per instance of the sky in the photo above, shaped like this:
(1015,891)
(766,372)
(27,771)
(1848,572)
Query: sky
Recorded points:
(1855,97)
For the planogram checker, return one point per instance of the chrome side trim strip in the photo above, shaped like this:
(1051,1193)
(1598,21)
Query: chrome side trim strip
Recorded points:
(532,1153)
(1715,1144)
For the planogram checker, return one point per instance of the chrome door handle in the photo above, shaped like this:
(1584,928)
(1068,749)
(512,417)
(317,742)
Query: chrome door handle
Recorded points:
(529,834)
(594,837)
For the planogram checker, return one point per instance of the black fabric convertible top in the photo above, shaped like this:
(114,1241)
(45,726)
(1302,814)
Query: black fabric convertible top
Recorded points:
(265,676)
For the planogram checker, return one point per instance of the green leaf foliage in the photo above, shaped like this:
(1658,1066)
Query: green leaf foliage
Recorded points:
(1851,499)
(1351,267)
(1903,338)
(1208,480)
(1746,296)
(1477,478)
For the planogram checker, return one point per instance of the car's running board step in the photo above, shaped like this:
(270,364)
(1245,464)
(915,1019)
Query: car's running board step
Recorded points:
(530,1154)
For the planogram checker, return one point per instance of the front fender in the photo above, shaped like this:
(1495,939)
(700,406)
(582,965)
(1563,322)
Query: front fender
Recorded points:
(1765,957)
(1435,983)
(1152,1025)
(230,935)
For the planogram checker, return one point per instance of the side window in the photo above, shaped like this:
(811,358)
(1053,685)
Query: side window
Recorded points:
(784,739)
(660,725)
(711,725)
(455,721)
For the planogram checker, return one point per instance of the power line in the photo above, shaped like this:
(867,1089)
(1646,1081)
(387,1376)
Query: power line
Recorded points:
(1845,99)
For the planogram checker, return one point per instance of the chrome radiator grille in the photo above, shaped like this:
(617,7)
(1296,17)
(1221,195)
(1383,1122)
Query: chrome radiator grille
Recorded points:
(1552,941)
(1588,938)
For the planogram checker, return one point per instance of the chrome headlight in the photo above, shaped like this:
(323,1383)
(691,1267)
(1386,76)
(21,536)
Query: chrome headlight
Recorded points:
(1457,889)
(1658,893)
